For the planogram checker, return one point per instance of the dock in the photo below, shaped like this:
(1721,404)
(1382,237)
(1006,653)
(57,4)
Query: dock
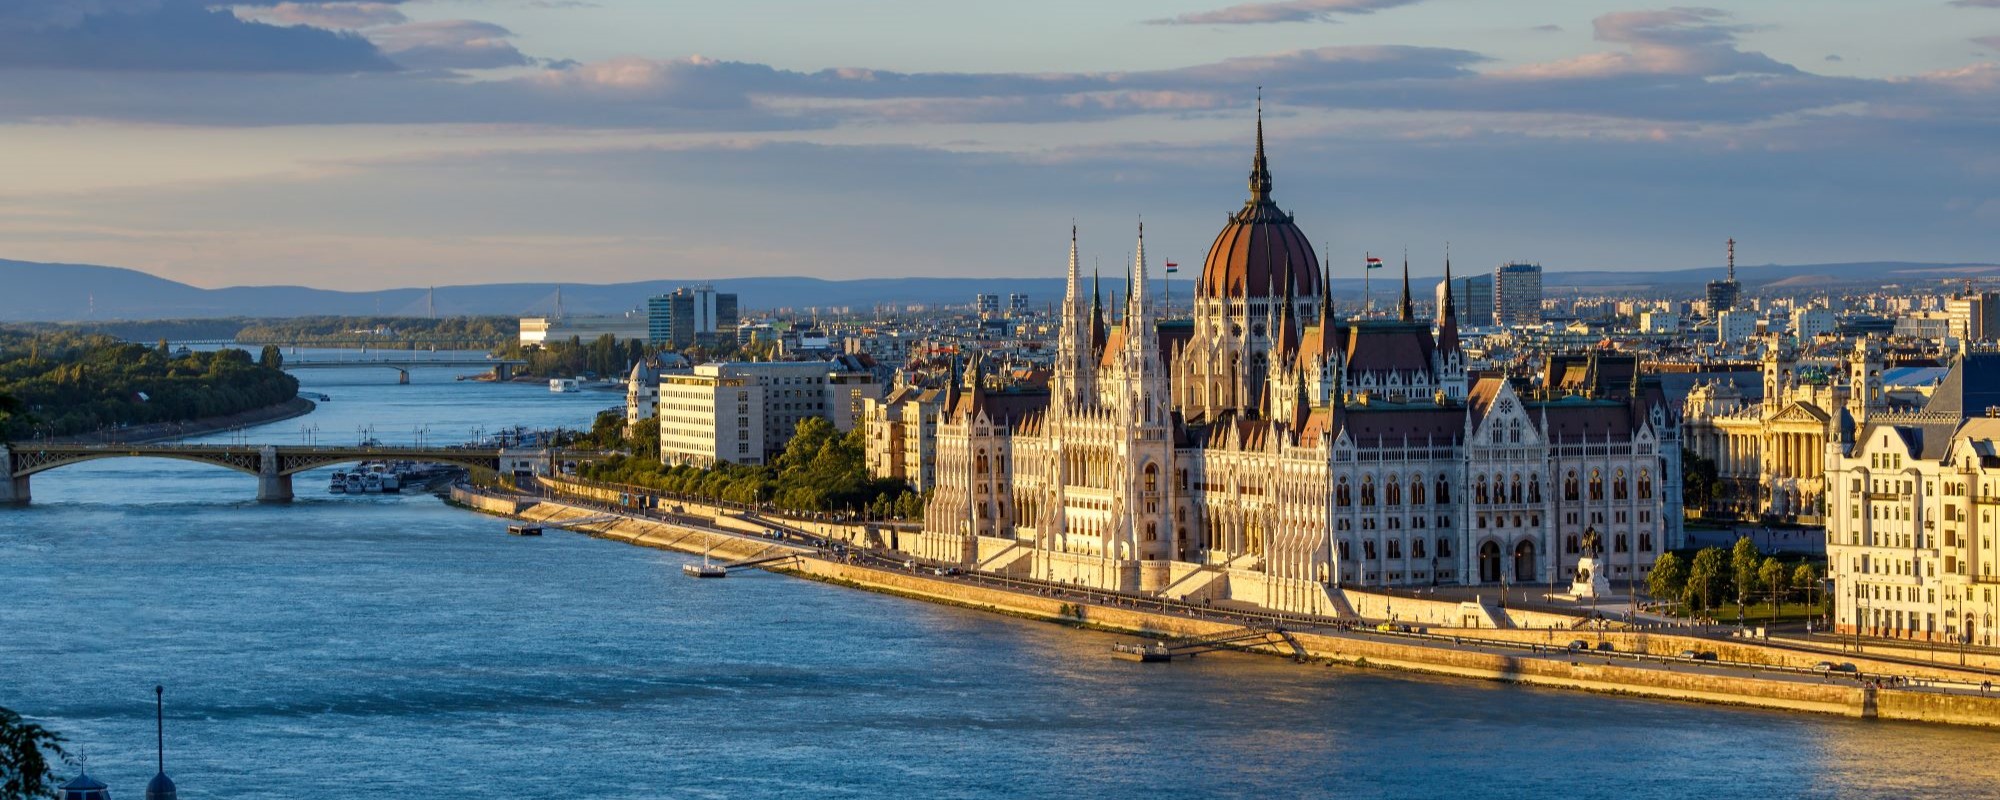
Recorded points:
(1239,639)
(524,530)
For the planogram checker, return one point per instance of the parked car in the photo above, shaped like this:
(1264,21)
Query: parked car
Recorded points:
(1606,647)
(1578,644)
(1823,666)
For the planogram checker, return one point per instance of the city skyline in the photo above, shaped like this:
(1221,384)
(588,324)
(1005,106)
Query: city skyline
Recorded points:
(394,144)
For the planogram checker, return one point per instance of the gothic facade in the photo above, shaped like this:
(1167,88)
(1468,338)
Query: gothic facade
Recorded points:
(1272,453)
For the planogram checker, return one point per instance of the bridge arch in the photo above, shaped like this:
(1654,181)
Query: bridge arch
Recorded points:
(274,465)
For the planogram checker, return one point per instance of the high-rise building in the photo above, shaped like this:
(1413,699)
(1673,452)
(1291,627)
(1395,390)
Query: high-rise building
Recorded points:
(1974,316)
(691,315)
(1723,294)
(1017,305)
(1473,295)
(745,412)
(986,305)
(1517,294)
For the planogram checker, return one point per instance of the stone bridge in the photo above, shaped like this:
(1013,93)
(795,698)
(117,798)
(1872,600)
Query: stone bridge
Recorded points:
(274,465)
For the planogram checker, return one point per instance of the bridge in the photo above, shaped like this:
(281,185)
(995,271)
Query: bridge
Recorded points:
(274,465)
(404,361)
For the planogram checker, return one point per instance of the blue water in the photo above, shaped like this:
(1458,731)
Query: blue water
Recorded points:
(369,647)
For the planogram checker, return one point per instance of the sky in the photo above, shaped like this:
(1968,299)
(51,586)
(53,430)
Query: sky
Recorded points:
(369,145)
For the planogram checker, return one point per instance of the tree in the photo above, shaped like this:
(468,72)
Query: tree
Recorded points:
(1743,564)
(25,749)
(1706,576)
(1772,574)
(271,357)
(1669,578)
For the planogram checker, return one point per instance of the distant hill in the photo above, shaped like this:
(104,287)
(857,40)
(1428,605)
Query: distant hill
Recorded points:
(65,292)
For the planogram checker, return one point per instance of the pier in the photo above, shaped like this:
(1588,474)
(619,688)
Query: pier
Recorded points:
(273,465)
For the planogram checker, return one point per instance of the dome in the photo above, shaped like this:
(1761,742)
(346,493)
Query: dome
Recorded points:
(83,787)
(161,787)
(1259,246)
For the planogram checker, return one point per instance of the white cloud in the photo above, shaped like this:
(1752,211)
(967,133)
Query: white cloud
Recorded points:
(1285,11)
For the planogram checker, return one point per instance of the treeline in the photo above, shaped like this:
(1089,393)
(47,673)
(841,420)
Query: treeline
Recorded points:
(604,356)
(61,383)
(821,471)
(415,333)
(1715,577)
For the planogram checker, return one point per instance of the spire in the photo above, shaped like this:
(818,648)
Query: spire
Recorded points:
(1405,311)
(1732,244)
(1287,334)
(1141,306)
(1069,294)
(1260,172)
(1326,298)
(1448,315)
(1097,326)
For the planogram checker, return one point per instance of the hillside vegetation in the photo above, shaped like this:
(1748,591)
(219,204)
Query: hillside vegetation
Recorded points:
(56,384)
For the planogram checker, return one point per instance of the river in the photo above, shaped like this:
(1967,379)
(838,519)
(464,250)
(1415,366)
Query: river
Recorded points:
(368,647)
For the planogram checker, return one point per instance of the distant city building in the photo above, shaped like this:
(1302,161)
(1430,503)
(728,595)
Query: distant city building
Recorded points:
(1517,294)
(1973,317)
(540,330)
(902,435)
(1811,323)
(1017,305)
(1735,327)
(1656,323)
(642,394)
(745,412)
(1923,325)
(1768,448)
(689,316)
(1472,295)
(986,305)
(1723,294)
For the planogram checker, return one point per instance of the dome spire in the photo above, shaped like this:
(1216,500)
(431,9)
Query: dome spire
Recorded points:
(1260,172)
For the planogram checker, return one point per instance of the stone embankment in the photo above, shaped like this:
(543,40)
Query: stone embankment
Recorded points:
(1786,682)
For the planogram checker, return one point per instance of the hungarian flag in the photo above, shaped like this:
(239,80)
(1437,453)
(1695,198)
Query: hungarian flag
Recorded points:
(1173,268)
(1374,263)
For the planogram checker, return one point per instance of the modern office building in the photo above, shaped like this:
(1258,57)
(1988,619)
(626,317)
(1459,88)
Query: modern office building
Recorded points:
(1517,294)
(986,305)
(745,412)
(1973,316)
(691,315)
(1473,295)
(538,330)
(1724,294)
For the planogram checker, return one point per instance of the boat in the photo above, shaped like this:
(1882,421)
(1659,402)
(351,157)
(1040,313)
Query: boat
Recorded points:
(704,570)
(525,530)
(371,483)
(564,385)
(391,483)
(354,485)
(339,485)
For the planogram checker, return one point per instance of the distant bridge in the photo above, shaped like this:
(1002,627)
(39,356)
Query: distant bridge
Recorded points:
(274,465)
(404,361)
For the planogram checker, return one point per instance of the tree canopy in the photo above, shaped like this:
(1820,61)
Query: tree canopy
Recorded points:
(64,383)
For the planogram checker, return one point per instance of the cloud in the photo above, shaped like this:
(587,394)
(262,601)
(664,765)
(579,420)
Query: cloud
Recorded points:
(1988,42)
(1677,41)
(334,16)
(449,44)
(1549,28)
(1287,11)
(170,36)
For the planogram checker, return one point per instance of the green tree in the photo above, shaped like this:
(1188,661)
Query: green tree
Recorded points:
(1669,578)
(1772,575)
(25,749)
(1743,563)
(1706,577)
(643,440)
(1807,578)
(271,357)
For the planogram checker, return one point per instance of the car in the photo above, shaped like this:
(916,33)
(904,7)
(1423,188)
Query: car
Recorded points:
(1387,627)
(1704,656)
(1606,647)
(1845,667)
(1578,644)
(1823,666)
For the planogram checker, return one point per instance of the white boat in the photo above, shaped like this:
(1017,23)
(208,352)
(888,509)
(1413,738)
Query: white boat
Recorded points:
(339,485)
(371,483)
(705,569)
(354,483)
(565,385)
(391,483)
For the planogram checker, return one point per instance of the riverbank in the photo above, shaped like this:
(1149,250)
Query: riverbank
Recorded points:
(1469,653)
(165,431)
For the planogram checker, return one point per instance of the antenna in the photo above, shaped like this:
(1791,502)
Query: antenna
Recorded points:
(1732,259)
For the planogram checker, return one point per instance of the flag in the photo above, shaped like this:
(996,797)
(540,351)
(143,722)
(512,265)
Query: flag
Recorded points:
(1374,263)
(1173,268)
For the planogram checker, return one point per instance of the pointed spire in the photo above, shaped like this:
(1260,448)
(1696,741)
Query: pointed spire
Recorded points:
(1326,299)
(1260,172)
(1070,293)
(1448,314)
(1141,307)
(1287,334)
(1406,312)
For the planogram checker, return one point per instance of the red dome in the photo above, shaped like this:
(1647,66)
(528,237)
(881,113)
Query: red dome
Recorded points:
(1260,244)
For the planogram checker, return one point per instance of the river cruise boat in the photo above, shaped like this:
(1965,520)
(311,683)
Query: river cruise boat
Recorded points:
(565,385)
(371,483)
(704,570)
(339,484)
(354,483)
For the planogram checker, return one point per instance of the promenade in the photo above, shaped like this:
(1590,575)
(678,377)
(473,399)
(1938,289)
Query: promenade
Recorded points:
(1736,672)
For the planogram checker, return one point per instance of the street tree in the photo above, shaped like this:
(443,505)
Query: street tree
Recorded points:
(25,751)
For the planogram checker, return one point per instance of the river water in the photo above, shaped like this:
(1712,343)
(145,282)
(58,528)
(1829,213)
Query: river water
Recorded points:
(370,647)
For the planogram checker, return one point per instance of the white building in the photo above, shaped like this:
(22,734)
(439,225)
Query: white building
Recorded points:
(1811,323)
(1911,531)
(1659,322)
(538,330)
(1735,326)
(642,394)
(745,412)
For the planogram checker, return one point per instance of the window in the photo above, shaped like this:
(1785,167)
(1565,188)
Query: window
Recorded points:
(1596,485)
(1645,484)
(1444,548)
(1619,491)
(1569,486)
(1443,490)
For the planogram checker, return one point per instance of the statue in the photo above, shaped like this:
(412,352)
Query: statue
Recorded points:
(1591,579)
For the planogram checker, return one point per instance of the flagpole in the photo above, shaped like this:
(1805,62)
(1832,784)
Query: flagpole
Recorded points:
(1367,292)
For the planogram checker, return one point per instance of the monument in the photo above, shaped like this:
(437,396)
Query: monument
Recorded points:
(1590,579)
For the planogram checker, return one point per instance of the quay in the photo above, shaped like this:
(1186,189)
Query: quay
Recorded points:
(1642,663)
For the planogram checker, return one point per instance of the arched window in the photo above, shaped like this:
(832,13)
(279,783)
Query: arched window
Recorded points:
(1645,484)
(1619,489)
(982,461)
(1152,478)
(1443,490)
(1596,485)
(1569,486)
(1343,496)
(1417,548)
(1393,491)
(1416,491)
(1515,492)
(1444,547)
(1479,495)
(1534,488)
(1367,490)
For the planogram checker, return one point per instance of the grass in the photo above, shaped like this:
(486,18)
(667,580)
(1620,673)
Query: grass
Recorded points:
(1760,613)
